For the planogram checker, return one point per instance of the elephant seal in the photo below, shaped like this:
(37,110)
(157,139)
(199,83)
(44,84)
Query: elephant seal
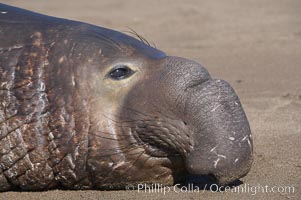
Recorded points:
(83,107)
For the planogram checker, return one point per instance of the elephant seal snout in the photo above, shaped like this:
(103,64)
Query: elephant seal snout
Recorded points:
(227,155)
(83,106)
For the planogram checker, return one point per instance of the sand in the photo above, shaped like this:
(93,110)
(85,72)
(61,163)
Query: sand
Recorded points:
(253,44)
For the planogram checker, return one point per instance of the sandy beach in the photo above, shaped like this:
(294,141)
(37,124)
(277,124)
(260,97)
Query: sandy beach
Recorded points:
(254,44)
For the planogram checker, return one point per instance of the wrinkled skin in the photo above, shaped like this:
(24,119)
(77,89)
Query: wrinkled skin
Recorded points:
(65,122)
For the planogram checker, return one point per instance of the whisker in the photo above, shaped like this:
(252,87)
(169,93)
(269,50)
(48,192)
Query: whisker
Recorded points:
(132,163)
(120,150)
(119,122)
(140,37)
(104,38)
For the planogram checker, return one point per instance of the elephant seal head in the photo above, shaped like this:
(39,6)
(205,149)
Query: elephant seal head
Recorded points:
(159,117)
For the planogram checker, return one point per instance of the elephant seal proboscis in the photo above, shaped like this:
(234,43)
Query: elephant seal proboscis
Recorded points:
(83,106)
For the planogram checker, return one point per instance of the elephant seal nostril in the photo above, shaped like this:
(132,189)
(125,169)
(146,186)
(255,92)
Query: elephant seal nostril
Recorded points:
(212,178)
(201,181)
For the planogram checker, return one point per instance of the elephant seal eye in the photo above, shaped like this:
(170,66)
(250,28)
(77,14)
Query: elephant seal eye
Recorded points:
(120,72)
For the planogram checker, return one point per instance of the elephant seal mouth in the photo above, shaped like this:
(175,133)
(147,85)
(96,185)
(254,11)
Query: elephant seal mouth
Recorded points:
(162,138)
(154,150)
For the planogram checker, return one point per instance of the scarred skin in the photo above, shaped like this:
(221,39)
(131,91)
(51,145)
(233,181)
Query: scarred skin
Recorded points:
(65,122)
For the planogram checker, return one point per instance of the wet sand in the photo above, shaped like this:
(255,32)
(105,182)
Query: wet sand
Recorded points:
(253,44)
